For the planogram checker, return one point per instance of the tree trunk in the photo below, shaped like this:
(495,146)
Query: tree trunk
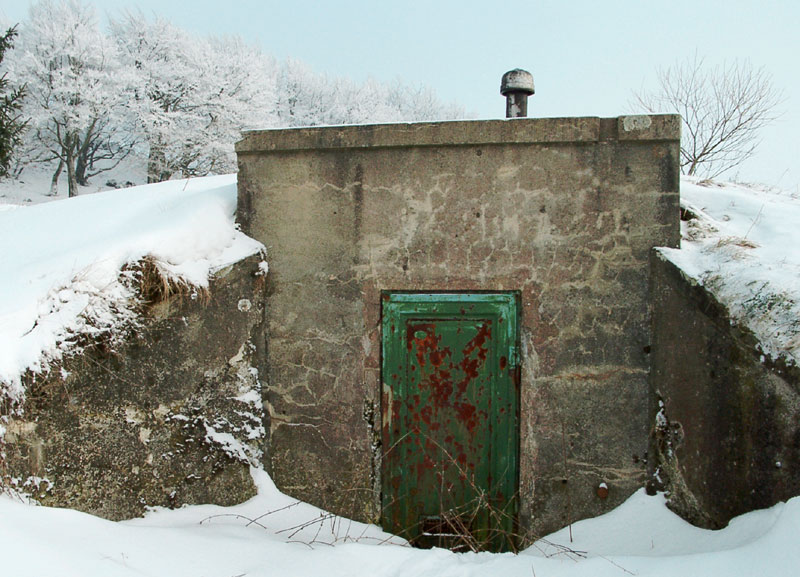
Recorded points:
(157,164)
(73,183)
(56,175)
(83,151)
(80,170)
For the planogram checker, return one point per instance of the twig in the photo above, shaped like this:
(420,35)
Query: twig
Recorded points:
(566,477)
(755,220)
(236,516)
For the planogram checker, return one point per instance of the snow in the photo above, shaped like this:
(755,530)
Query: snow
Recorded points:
(743,248)
(60,274)
(273,534)
(61,261)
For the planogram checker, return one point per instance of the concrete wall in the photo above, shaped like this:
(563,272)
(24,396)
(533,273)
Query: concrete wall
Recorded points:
(128,426)
(727,434)
(565,211)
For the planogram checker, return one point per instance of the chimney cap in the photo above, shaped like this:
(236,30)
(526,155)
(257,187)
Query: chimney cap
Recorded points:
(516,80)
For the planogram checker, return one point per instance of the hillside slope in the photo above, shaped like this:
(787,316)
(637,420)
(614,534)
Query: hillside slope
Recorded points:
(743,244)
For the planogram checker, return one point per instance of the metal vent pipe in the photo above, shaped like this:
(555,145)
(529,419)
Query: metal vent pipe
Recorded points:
(516,86)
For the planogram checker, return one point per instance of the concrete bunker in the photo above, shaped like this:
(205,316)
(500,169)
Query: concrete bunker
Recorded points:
(460,330)
(557,215)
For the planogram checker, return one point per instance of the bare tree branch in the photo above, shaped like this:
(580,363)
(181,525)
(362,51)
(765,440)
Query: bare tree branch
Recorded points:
(723,109)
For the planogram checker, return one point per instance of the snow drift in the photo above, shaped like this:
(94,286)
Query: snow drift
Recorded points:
(60,269)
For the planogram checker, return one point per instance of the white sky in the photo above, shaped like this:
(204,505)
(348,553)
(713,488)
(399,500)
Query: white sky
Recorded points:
(586,56)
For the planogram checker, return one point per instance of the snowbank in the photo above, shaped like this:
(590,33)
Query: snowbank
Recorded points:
(61,261)
(273,534)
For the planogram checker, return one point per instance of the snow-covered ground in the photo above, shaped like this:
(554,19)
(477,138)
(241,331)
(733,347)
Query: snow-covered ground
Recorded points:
(59,273)
(33,186)
(273,535)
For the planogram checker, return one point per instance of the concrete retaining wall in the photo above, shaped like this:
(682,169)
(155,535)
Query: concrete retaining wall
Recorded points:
(162,419)
(727,433)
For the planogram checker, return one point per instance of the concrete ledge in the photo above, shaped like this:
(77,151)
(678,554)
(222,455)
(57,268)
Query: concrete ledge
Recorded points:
(513,131)
(649,127)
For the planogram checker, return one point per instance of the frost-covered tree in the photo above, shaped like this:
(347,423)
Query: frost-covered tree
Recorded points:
(306,98)
(239,94)
(77,91)
(192,95)
(161,58)
(420,103)
(11,120)
(301,95)
(177,101)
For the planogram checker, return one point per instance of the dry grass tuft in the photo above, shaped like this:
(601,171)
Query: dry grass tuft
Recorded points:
(155,285)
(736,241)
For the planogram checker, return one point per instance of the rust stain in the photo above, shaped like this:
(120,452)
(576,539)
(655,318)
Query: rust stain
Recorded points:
(426,464)
(479,341)
(471,365)
(441,387)
(467,415)
(423,343)
(443,424)
(437,358)
(421,336)
(425,414)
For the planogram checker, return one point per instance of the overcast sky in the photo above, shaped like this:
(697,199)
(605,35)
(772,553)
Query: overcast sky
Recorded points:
(587,56)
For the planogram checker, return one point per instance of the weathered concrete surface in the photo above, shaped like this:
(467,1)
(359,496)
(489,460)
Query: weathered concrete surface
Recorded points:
(118,430)
(727,439)
(564,210)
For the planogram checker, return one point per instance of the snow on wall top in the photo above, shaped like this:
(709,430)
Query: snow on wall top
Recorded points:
(744,246)
(60,262)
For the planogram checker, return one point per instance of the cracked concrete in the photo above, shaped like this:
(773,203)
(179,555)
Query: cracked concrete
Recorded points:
(726,428)
(565,211)
(121,430)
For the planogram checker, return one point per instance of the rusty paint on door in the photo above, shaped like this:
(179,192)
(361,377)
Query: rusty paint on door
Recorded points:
(450,414)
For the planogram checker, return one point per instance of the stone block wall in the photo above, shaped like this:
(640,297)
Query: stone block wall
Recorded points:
(565,211)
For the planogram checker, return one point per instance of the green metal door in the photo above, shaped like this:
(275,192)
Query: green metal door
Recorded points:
(450,405)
